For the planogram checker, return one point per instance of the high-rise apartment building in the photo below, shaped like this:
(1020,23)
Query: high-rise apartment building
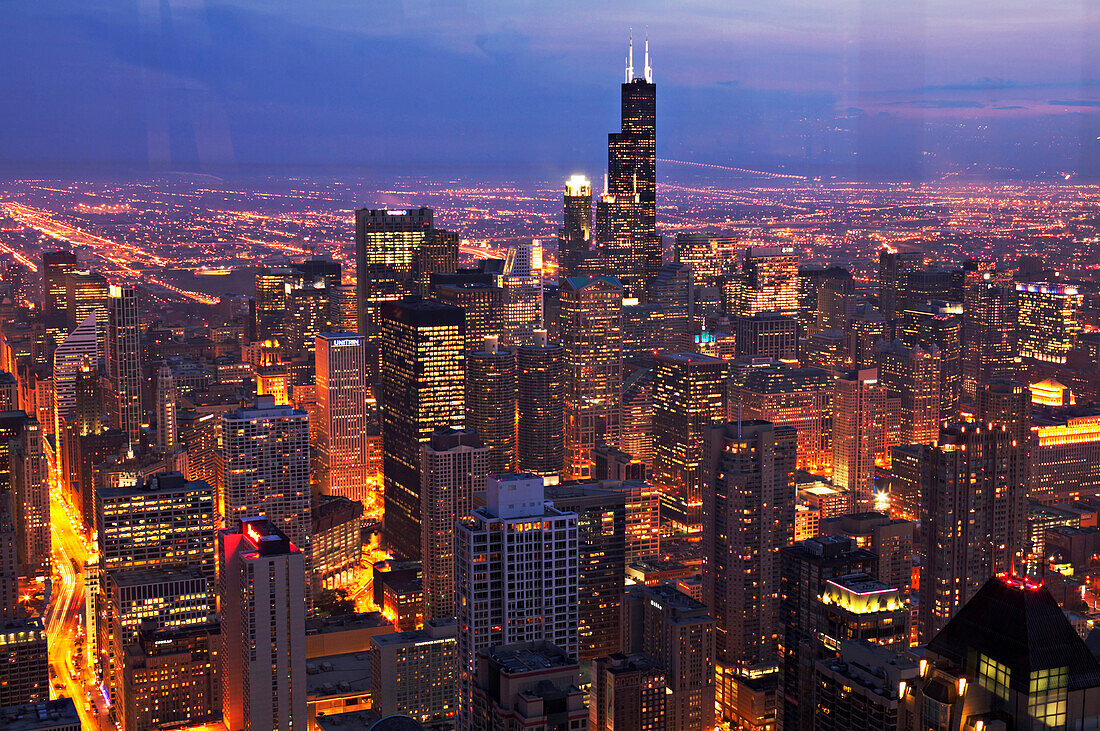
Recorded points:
(261,599)
(31,492)
(170,678)
(306,315)
(413,673)
(481,303)
(516,576)
(894,271)
(627,691)
(491,402)
(748,515)
(689,395)
(540,401)
(55,266)
(805,569)
(452,466)
(1003,401)
(798,397)
(123,362)
(678,633)
(826,298)
(526,685)
(1048,321)
(343,308)
(575,235)
(423,389)
(343,422)
(591,338)
(939,325)
(601,542)
(1064,458)
(891,540)
(912,375)
(23,657)
(858,410)
(263,468)
(973,516)
(403,243)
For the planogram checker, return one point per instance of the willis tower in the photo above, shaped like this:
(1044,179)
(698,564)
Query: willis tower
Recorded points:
(626,214)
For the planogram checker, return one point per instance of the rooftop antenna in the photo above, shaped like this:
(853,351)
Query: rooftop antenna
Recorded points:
(605,182)
(648,68)
(630,58)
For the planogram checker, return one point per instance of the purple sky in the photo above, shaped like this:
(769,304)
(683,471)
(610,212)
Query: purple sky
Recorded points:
(847,87)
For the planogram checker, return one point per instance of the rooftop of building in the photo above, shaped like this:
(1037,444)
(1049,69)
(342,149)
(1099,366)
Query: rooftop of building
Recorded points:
(346,623)
(529,657)
(139,577)
(690,359)
(22,624)
(435,629)
(337,675)
(671,597)
(162,482)
(262,407)
(366,720)
(47,714)
(1017,623)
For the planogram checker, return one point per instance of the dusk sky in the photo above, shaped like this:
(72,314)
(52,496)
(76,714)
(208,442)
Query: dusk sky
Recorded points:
(850,87)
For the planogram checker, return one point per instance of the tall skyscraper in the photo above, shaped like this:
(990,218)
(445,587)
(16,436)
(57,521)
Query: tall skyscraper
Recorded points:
(67,359)
(452,466)
(491,402)
(423,388)
(404,243)
(167,407)
(989,332)
(263,468)
(575,235)
(858,409)
(671,292)
(343,422)
(261,592)
(515,576)
(1048,320)
(767,282)
(271,287)
(689,396)
(540,386)
(343,310)
(23,657)
(748,515)
(591,338)
(55,266)
(825,298)
(123,362)
(973,517)
(626,215)
(627,690)
(521,293)
(86,293)
(1003,401)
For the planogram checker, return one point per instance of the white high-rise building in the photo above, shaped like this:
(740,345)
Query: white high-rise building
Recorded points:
(261,592)
(263,468)
(450,466)
(515,575)
(67,359)
(342,388)
(123,361)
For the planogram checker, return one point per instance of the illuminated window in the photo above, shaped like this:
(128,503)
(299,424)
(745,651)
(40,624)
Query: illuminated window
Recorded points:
(993,676)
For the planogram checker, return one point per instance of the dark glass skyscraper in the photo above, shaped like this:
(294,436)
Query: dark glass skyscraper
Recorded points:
(626,215)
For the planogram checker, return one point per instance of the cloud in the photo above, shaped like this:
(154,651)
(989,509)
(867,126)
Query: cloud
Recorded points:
(1075,102)
(937,104)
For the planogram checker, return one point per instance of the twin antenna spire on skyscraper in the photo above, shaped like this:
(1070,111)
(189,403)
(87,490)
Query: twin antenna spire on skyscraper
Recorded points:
(647,70)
